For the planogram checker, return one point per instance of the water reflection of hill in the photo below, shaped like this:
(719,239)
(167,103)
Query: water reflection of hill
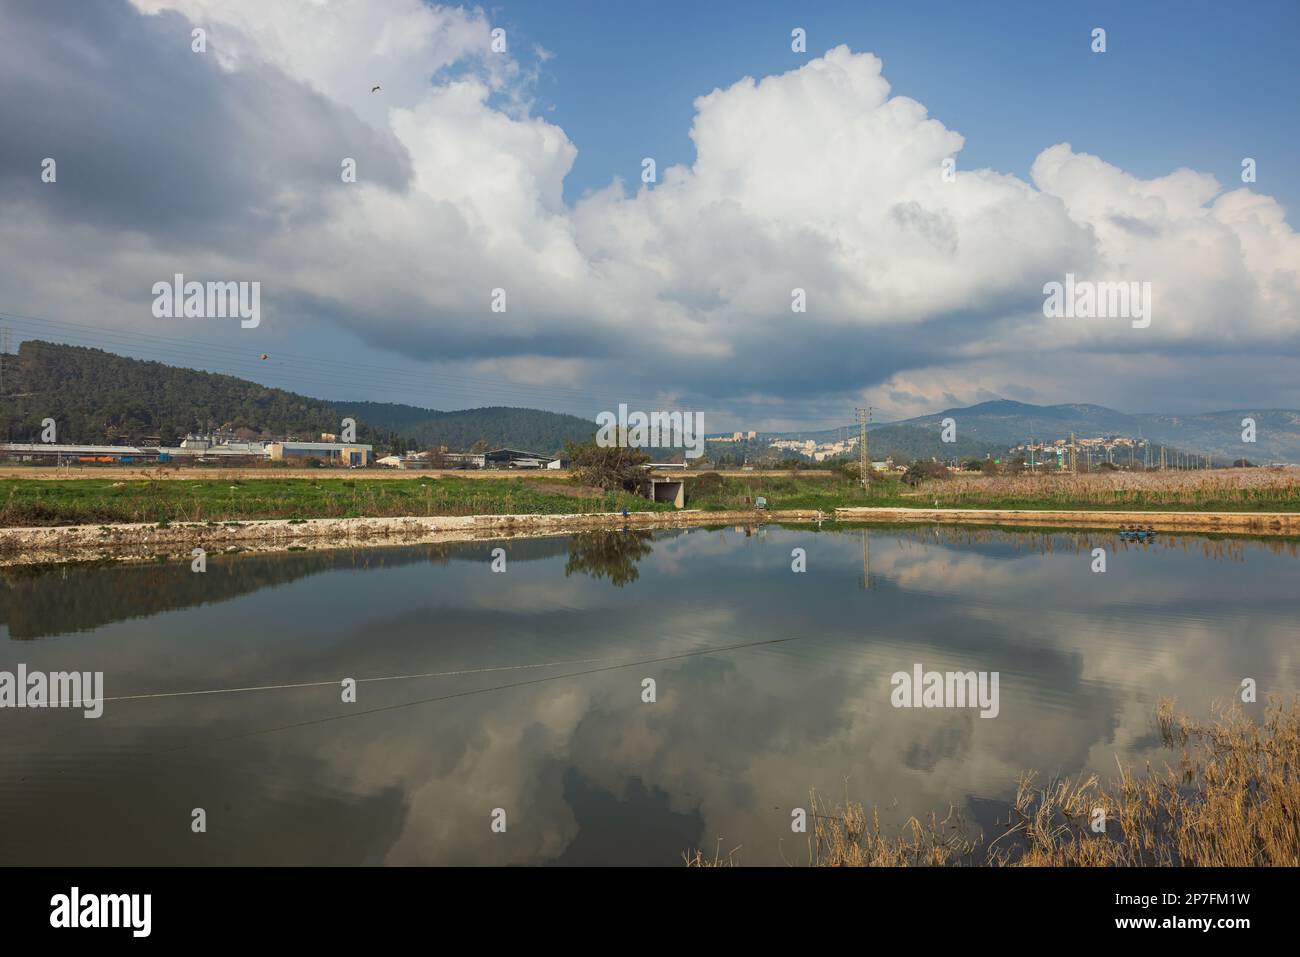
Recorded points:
(40,601)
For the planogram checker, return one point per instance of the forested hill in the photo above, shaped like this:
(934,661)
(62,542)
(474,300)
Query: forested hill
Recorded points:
(98,397)
(499,426)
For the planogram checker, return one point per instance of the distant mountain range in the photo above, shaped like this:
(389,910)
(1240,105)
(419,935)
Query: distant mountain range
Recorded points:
(993,427)
(97,397)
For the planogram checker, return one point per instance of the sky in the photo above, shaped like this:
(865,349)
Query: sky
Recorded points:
(800,251)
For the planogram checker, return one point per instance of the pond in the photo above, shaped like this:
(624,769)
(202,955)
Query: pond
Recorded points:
(616,697)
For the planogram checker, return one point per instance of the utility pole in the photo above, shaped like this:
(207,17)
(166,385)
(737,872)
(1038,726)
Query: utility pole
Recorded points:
(864,416)
(4,351)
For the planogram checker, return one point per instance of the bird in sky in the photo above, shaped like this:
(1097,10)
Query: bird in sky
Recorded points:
(375,88)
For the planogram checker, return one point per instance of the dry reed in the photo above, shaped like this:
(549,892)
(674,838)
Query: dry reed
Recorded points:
(1233,801)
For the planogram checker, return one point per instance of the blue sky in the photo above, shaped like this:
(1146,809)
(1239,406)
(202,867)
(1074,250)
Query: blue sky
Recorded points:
(1191,83)
(481,170)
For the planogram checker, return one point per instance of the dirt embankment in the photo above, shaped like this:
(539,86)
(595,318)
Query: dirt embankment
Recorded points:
(1252,523)
(31,546)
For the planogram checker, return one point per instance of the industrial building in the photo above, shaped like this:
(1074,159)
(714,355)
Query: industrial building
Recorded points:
(335,453)
(192,450)
(516,459)
(464,460)
(50,452)
(410,460)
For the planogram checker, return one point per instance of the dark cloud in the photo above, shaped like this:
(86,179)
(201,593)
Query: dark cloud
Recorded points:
(151,137)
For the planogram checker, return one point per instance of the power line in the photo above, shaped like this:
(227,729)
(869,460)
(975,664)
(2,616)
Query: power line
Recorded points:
(477,691)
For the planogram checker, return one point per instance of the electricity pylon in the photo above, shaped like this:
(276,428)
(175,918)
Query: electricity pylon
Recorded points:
(864,417)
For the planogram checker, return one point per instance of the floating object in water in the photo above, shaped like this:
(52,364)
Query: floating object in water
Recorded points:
(1137,533)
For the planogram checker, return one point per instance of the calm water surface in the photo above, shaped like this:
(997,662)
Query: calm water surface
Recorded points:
(544,717)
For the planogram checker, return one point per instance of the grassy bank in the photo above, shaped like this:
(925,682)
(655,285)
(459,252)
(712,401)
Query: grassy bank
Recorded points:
(1233,800)
(87,502)
(115,498)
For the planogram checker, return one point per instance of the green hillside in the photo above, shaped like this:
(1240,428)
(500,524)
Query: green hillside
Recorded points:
(97,397)
(499,426)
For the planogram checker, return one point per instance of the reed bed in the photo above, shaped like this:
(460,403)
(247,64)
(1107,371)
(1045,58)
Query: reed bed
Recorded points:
(1227,489)
(1233,800)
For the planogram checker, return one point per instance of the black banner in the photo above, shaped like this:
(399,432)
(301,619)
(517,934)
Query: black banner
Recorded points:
(332,906)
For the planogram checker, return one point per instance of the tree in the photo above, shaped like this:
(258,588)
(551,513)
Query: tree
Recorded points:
(707,483)
(611,468)
(921,470)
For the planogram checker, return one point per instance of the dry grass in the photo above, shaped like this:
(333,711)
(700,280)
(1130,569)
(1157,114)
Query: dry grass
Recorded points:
(1221,488)
(1233,801)
(697,859)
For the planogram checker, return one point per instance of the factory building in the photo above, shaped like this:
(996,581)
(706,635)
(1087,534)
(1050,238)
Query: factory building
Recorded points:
(63,454)
(516,459)
(335,453)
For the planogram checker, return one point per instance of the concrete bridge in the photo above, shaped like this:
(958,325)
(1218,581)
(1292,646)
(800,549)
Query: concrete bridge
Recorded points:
(665,488)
